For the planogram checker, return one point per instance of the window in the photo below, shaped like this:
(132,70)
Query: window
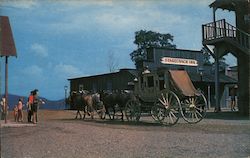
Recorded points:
(161,82)
(151,81)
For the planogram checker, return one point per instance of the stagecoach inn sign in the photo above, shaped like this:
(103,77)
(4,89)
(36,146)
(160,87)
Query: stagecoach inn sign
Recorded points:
(179,61)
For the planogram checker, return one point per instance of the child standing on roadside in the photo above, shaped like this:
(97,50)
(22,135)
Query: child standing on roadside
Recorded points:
(20,110)
(15,112)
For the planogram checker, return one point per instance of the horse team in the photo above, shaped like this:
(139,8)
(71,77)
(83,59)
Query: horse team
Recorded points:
(103,103)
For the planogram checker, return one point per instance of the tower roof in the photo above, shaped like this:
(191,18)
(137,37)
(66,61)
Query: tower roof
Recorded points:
(227,4)
(7,44)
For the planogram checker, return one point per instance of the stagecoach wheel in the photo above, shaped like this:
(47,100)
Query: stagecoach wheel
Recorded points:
(169,104)
(193,109)
(157,112)
(133,110)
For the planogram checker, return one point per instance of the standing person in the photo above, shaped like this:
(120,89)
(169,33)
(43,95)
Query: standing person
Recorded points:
(233,96)
(4,108)
(15,112)
(20,110)
(35,105)
(29,106)
(1,109)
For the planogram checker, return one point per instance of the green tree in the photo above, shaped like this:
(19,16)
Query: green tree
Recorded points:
(145,39)
(222,64)
(209,60)
(207,57)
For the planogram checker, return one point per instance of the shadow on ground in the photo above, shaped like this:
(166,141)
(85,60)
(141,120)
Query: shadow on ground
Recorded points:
(116,122)
(226,116)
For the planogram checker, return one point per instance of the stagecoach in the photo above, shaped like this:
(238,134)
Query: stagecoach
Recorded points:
(166,95)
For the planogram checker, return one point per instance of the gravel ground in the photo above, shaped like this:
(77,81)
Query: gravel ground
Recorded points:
(58,135)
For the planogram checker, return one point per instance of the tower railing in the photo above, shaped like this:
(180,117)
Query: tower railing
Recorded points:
(221,30)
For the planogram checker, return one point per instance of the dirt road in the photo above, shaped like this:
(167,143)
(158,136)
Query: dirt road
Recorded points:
(58,135)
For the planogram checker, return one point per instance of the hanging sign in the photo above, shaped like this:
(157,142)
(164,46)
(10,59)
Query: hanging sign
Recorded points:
(179,61)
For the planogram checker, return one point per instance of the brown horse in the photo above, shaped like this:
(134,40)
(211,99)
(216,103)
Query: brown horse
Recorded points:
(84,101)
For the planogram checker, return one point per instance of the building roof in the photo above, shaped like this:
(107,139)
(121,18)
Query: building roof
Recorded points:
(195,77)
(166,48)
(227,4)
(131,71)
(7,44)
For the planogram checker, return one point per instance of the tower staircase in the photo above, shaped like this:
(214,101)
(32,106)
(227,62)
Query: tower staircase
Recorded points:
(221,32)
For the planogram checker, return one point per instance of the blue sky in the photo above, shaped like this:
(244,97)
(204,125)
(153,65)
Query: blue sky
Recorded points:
(57,40)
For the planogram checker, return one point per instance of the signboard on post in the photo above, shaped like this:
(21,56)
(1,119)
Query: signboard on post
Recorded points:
(179,61)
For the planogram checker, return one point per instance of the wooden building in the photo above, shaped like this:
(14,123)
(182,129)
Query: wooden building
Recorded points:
(111,81)
(190,60)
(157,58)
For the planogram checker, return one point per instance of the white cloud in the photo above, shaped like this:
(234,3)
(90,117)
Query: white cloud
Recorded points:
(67,70)
(189,2)
(78,3)
(22,4)
(33,71)
(39,50)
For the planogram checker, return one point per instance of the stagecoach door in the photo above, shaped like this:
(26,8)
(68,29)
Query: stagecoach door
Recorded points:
(148,87)
(163,82)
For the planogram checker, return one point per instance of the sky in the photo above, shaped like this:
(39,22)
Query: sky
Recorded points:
(57,40)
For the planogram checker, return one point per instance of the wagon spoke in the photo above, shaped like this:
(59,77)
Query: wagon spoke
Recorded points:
(161,102)
(170,100)
(171,119)
(199,109)
(188,101)
(167,98)
(199,113)
(192,116)
(195,114)
(174,111)
(200,105)
(195,99)
(172,114)
(164,99)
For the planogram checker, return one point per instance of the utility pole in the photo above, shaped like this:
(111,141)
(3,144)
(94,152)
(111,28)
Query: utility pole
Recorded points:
(65,99)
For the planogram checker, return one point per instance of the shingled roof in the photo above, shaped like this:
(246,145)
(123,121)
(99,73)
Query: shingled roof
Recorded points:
(7,44)
(227,4)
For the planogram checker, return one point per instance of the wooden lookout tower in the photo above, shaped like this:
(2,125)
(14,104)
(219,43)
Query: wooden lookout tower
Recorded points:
(234,39)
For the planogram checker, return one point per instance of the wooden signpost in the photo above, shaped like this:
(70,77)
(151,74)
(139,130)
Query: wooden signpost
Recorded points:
(7,49)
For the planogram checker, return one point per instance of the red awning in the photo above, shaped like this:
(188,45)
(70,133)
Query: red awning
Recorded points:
(7,44)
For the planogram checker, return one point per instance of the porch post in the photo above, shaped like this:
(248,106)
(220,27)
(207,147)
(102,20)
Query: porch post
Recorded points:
(217,84)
